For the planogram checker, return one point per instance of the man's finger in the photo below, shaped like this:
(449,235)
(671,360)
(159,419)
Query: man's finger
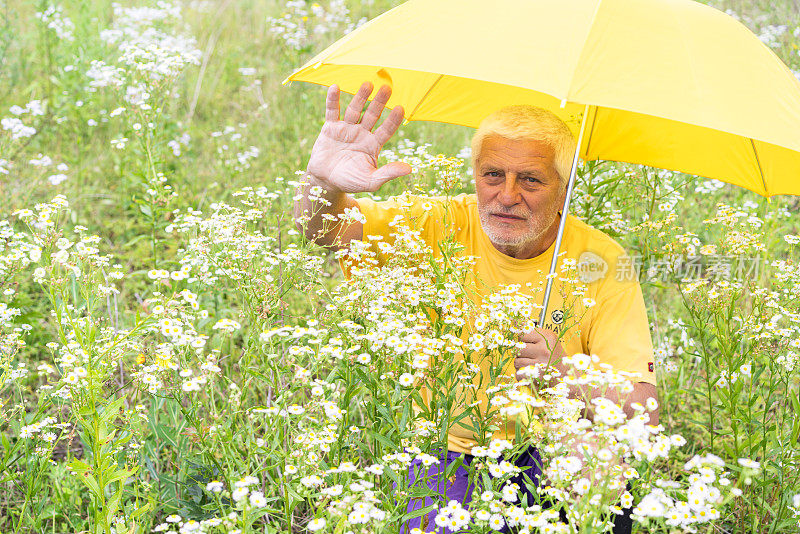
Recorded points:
(524,361)
(529,351)
(390,125)
(538,351)
(535,351)
(532,336)
(332,104)
(540,335)
(388,172)
(375,107)
(353,112)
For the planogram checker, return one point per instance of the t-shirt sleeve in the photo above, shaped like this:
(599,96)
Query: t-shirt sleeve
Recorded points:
(380,214)
(620,332)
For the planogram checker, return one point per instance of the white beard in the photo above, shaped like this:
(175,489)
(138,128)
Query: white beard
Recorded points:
(537,226)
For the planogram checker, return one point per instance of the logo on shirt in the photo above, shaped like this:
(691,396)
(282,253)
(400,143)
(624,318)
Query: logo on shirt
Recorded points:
(591,267)
(558,316)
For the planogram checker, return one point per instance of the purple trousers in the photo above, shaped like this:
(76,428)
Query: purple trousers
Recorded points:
(458,486)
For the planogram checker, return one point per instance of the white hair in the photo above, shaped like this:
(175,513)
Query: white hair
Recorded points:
(529,122)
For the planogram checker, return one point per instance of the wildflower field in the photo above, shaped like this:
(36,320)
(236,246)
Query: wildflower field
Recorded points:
(176,357)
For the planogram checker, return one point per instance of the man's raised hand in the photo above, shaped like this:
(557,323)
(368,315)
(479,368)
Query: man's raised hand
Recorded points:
(345,155)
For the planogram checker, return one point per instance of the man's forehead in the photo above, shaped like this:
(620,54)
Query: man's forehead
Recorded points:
(496,150)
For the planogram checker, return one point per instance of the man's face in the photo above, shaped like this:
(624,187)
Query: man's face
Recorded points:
(519,195)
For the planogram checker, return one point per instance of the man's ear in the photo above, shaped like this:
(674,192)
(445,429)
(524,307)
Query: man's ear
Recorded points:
(563,194)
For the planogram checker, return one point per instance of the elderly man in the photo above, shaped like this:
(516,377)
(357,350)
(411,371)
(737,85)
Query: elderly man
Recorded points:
(521,159)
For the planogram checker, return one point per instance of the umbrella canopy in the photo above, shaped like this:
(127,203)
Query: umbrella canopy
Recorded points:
(667,83)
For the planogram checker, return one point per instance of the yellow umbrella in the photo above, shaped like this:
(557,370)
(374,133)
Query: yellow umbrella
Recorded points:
(667,83)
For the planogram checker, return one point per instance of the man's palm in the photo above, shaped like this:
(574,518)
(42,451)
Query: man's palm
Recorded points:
(345,155)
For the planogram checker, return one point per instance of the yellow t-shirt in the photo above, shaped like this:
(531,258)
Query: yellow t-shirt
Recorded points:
(615,328)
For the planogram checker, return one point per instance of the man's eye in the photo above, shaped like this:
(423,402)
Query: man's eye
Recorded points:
(492,173)
(532,180)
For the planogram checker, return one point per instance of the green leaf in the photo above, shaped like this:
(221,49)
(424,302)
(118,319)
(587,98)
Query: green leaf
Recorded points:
(167,434)
(382,439)
(452,467)
(758,370)
(78,466)
(385,411)
(424,411)
(122,474)
(140,510)
(91,483)
(113,504)
(135,240)
(796,428)
(406,414)
(112,409)
(417,513)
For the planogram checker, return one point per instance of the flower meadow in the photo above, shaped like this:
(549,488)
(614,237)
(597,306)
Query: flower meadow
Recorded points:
(176,357)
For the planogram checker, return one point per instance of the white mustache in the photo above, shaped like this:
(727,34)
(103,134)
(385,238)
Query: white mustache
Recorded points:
(502,211)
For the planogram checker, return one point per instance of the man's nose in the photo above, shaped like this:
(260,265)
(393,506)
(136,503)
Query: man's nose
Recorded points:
(510,193)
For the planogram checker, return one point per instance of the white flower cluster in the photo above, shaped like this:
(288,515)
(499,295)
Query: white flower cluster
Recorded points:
(708,187)
(594,194)
(227,248)
(175,523)
(29,430)
(246,500)
(453,517)
(357,504)
(779,325)
(244,496)
(494,450)
(447,172)
(302,22)
(702,497)
(17,128)
(101,74)
(152,49)
(771,34)
(145,48)
(77,364)
(233,154)
(53,18)
(176,145)
(176,320)
(667,191)
(16,250)
(795,507)
(44,162)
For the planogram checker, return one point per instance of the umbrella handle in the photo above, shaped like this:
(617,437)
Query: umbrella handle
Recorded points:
(564,212)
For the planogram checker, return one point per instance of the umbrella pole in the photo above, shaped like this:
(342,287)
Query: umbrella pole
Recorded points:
(564,212)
